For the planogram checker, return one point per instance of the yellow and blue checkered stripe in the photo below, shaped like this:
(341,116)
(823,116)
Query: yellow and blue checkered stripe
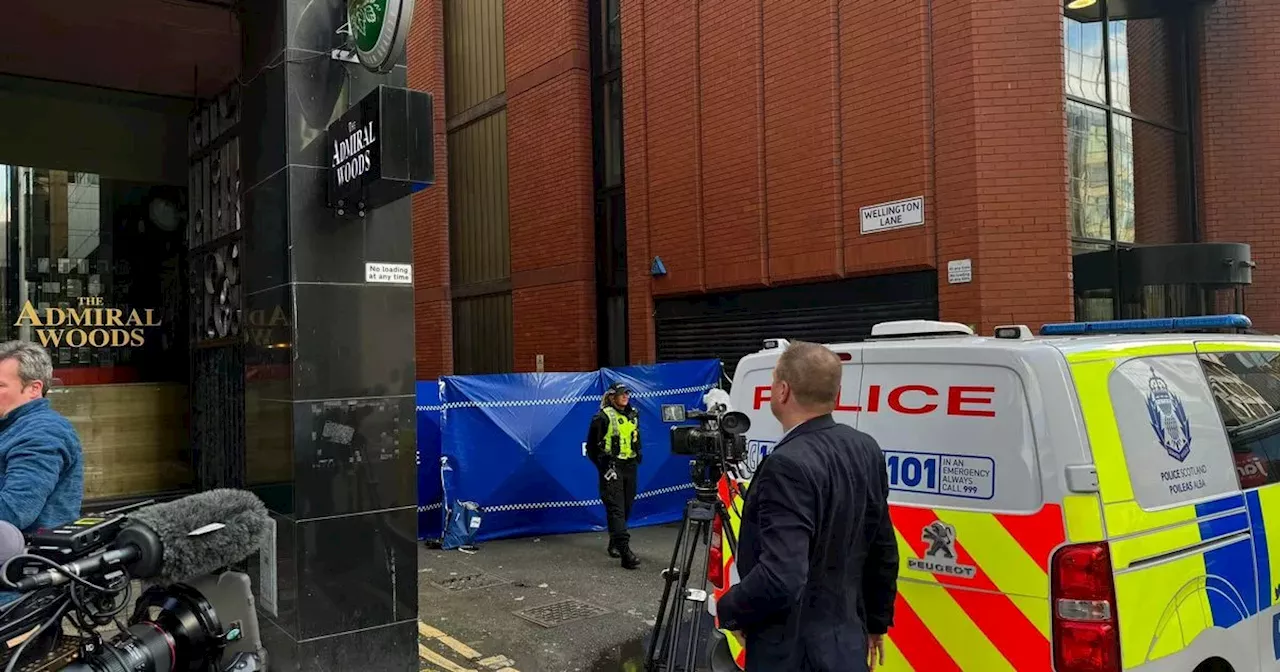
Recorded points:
(1233,591)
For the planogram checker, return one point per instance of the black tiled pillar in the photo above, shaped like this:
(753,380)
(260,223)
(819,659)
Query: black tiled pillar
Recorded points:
(329,366)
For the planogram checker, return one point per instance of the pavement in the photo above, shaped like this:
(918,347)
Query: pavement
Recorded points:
(468,604)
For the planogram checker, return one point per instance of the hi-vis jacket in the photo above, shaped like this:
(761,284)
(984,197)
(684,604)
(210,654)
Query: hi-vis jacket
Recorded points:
(614,433)
(1068,504)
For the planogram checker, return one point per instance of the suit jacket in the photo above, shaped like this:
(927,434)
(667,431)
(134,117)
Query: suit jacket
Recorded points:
(817,553)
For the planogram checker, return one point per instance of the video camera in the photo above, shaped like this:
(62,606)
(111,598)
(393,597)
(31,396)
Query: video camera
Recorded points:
(199,618)
(718,443)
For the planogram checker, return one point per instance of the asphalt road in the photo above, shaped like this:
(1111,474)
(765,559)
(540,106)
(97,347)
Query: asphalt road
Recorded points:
(468,604)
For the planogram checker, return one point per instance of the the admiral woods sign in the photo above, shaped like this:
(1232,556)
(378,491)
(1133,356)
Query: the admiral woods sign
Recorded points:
(354,154)
(382,150)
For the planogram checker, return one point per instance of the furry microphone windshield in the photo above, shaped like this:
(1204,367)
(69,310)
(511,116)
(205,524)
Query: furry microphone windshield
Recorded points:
(206,532)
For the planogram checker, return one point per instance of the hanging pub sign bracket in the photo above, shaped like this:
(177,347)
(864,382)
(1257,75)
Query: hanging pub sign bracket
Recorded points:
(382,149)
(378,30)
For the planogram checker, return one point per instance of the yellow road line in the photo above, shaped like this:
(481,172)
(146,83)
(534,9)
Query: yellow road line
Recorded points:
(437,659)
(473,656)
(461,649)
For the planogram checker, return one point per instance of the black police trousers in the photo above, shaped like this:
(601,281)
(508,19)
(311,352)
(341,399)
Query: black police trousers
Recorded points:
(618,495)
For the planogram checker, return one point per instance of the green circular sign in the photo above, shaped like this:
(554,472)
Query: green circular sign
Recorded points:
(379,28)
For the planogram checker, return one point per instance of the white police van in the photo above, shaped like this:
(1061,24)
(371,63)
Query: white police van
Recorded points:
(1101,497)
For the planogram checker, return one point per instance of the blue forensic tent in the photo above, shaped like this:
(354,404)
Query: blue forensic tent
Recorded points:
(514,444)
(429,493)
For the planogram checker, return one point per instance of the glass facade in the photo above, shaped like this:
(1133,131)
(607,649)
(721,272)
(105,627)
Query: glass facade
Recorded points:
(1128,148)
(93,269)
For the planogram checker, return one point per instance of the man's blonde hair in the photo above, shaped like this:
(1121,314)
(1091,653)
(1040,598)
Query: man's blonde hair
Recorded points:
(813,373)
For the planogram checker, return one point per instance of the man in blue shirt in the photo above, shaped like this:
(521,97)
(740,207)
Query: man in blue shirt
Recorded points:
(41,463)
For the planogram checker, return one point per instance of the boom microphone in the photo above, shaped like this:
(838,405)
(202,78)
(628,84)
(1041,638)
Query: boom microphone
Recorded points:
(176,541)
(205,532)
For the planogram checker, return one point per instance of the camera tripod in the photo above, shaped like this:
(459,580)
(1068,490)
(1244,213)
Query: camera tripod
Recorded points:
(683,606)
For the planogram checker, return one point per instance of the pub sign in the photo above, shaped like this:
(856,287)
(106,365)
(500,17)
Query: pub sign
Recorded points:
(382,149)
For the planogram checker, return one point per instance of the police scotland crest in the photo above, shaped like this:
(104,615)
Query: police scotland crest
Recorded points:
(1168,418)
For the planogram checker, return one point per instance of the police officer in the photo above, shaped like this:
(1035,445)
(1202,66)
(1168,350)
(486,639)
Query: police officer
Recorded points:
(613,444)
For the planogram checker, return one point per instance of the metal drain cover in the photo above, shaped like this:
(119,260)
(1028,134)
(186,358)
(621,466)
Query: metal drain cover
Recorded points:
(463,582)
(559,613)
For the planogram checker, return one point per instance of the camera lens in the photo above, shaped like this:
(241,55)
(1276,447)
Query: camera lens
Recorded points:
(179,638)
(146,649)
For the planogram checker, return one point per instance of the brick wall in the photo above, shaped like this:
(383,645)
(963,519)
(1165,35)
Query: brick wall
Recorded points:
(432,308)
(1001,161)
(550,184)
(1240,140)
(756,130)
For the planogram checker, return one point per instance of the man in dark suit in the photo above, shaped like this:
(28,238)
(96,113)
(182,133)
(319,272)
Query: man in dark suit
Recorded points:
(818,557)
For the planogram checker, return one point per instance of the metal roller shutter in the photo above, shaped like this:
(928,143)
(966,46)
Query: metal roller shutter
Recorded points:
(730,325)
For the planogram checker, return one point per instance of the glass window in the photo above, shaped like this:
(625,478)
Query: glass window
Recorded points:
(1246,388)
(1128,148)
(1088,188)
(612,36)
(1145,68)
(612,125)
(93,269)
(1082,35)
(1149,199)
(93,272)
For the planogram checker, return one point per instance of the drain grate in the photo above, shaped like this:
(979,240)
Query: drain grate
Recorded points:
(457,584)
(559,613)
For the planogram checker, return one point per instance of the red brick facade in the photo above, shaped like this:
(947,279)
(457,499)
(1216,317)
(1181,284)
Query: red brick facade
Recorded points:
(755,130)
(549,177)
(1240,140)
(432,309)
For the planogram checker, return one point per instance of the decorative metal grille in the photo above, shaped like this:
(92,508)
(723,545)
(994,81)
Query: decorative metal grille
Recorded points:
(215,244)
(217,416)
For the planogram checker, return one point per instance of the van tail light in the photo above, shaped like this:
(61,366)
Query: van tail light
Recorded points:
(1086,631)
(715,557)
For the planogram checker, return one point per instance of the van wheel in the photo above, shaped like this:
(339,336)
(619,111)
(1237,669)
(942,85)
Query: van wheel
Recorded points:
(1215,665)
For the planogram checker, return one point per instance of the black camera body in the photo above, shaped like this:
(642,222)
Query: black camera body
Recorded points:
(716,435)
(718,443)
(206,624)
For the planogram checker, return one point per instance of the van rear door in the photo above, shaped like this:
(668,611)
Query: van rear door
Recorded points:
(968,507)
(1176,522)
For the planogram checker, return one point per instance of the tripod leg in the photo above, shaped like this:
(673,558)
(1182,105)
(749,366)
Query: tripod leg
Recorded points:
(682,624)
(700,610)
(670,576)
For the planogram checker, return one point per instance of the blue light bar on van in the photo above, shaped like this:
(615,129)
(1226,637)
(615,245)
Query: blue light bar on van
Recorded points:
(1147,326)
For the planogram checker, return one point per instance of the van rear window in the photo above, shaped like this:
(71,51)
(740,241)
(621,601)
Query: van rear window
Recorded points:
(954,436)
(1246,390)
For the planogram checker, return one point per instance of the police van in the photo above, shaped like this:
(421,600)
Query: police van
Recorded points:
(1104,496)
